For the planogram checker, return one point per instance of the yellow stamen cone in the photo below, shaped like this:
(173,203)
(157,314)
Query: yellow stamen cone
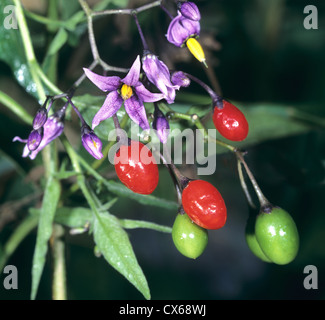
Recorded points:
(196,49)
(126,92)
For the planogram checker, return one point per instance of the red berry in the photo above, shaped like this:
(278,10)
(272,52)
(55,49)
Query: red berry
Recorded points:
(204,204)
(136,167)
(230,122)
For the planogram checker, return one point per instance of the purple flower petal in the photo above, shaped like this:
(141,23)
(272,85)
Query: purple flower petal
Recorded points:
(158,74)
(35,138)
(136,111)
(103,83)
(145,95)
(161,125)
(190,11)
(181,29)
(111,105)
(133,75)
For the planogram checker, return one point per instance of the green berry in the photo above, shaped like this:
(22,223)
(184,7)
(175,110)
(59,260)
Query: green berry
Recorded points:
(277,235)
(252,242)
(189,238)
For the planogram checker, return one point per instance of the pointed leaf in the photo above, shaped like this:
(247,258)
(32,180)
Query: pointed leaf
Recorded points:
(113,242)
(44,232)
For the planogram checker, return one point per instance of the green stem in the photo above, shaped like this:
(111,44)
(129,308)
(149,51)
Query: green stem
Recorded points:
(16,108)
(59,290)
(29,50)
(262,199)
(20,233)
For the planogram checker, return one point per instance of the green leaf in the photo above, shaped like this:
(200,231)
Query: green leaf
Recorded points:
(58,42)
(121,190)
(44,232)
(12,51)
(113,242)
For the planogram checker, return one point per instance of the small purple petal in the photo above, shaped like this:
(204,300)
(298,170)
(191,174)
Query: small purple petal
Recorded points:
(136,111)
(19,139)
(40,118)
(160,125)
(35,138)
(190,11)
(133,75)
(91,142)
(145,95)
(180,79)
(158,74)
(53,128)
(103,83)
(111,105)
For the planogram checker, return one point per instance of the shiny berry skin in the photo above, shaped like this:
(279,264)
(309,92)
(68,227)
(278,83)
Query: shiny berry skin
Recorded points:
(204,204)
(230,122)
(251,241)
(277,235)
(189,238)
(136,168)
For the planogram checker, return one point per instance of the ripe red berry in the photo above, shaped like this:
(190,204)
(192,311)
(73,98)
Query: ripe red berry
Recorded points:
(204,204)
(230,122)
(136,168)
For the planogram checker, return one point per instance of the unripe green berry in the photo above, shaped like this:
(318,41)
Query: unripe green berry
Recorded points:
(189,238)
(277,235)
(252,242)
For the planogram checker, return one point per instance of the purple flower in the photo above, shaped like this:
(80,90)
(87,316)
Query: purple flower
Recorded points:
(180,79)
(128,90)
(53,128)
(158,74)
(181,29)
(190,11)
(91,142)
(160,125)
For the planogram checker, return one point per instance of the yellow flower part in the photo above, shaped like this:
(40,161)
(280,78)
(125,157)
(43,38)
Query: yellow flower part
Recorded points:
(195,48)
(126,92)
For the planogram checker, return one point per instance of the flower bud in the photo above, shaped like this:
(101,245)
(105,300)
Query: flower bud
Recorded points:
(160,125)
(40,118)
(190,11)
(91,142)
(179,78)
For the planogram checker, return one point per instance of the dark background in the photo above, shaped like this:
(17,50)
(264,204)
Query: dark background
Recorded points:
(259,52)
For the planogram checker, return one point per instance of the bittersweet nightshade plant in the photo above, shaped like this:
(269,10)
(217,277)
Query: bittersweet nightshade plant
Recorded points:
(128,90)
